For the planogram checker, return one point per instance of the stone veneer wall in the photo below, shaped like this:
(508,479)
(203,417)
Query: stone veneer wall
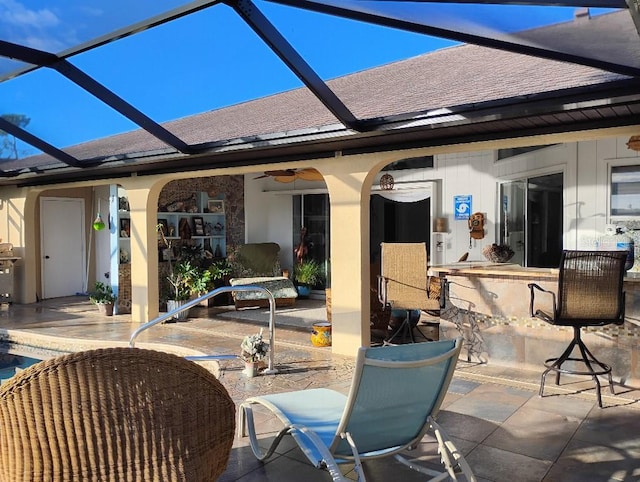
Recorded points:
(231,188)
(124,288)
(518,341)
(491,313)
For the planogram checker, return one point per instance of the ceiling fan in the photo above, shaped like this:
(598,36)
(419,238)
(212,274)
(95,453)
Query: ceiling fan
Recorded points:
(290,175)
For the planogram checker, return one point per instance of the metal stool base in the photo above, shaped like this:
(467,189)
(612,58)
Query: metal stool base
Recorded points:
(555,365)
(406,328)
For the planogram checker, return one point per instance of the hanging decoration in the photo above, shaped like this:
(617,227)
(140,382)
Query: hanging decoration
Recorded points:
(386,182)
(98,223)
(476,227)
(634,143)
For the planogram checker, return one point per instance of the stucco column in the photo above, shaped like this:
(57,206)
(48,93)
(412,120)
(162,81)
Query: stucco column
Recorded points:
(143,205)
(26,277)
(349,188)
(20,219)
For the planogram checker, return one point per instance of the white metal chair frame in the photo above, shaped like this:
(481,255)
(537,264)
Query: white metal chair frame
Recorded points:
(328,439)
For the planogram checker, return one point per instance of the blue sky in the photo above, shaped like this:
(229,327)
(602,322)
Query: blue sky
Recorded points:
(202,62)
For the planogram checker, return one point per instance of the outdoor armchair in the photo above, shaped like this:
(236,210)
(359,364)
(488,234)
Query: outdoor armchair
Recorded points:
(124,414)
(404,286)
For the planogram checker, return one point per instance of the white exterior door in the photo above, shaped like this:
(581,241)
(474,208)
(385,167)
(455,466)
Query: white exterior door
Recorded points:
(63,246)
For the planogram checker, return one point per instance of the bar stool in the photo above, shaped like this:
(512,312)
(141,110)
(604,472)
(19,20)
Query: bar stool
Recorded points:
(590,293)
(403,285)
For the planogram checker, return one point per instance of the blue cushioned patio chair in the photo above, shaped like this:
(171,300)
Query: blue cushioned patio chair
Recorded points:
(395,395)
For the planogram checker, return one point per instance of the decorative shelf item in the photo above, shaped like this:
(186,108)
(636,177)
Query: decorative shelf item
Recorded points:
(196,220)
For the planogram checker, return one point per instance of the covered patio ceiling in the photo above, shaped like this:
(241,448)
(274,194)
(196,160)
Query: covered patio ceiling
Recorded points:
(82,26)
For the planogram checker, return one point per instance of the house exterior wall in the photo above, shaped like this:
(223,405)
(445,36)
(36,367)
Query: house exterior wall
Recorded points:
(585,166)
(268,215)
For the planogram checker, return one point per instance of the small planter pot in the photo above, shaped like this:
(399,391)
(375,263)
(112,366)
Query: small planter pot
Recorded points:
(303,291)
(175,304)
(250,369)
(105,309)
(321,334)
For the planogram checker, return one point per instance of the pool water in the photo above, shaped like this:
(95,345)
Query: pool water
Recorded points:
(12,364)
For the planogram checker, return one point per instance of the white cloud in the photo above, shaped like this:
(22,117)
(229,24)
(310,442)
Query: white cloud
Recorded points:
(38,29)
(48,44)
(16,14)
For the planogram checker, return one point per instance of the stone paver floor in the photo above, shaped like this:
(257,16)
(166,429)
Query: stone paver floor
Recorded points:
(493,414)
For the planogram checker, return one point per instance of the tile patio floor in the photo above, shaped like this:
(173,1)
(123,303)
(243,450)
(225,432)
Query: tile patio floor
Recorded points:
(493,414)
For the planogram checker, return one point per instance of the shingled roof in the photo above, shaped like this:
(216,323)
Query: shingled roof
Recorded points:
(439,91)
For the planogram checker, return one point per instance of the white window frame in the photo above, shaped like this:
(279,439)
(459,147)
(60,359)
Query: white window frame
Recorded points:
(611,218)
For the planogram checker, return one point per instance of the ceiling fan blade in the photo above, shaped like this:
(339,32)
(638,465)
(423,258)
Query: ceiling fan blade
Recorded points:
(281,172)
(286,179)
(309,174)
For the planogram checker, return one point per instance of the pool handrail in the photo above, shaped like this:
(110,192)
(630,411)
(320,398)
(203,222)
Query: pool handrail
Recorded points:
(191,303)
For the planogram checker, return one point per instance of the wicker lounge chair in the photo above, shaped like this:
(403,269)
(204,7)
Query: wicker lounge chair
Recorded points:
(124,414)
(395,396)
(590,293)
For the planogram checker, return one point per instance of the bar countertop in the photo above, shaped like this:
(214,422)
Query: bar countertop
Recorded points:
(488,268)
(503,270)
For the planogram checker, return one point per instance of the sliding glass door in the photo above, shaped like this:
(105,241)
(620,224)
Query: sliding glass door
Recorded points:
(531,220)
(311,211)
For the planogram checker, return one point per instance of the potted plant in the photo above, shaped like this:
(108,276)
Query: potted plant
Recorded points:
(307,274)
(187,281)
(253,350)
(181,279)
(198,281)
(103,296)
(219,271)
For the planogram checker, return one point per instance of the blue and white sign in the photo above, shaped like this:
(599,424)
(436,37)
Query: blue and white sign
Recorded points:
(462,206)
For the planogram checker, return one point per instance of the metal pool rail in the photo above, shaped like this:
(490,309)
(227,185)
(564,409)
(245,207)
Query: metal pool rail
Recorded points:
(224,289)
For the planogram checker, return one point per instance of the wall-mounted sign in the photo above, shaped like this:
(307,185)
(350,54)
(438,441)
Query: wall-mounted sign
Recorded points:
(462,206)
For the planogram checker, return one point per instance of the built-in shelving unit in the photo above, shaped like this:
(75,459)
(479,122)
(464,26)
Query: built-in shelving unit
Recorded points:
(203,225)
(198,221)
(124,230)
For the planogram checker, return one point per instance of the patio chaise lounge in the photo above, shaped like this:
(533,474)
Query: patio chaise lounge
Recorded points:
(257,264)
(394,398)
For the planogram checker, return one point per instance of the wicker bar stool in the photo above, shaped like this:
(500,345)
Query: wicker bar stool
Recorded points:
(124,414)
(590,293)
(403,285)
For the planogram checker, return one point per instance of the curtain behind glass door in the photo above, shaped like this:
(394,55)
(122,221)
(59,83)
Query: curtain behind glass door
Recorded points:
(512,219)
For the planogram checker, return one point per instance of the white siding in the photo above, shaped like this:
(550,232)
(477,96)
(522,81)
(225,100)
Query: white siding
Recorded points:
(269,217)
(585,166)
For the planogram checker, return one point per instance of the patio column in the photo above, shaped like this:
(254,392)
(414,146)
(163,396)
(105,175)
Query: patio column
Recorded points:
(349,187)
(19,226)
(143,204)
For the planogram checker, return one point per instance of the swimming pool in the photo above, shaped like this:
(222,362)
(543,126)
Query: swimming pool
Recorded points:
(12,364)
